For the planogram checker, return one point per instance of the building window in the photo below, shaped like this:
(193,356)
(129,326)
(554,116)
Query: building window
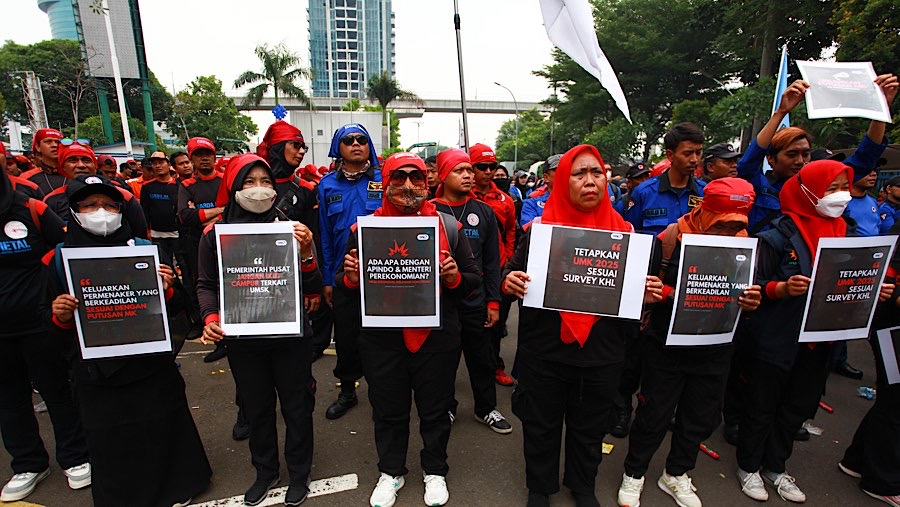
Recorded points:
(342,65)
(352,45)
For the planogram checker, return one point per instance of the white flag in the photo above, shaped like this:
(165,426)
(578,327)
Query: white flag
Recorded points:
(570,26)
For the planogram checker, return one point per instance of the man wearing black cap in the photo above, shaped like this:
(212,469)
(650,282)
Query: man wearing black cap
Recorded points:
(720,161)
(634,176)
(890,208)
(159,199)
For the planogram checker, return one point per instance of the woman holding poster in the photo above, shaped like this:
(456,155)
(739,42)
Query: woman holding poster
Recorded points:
(691,378)
(786,378)
(145,449)
(264,367)
(569,363)
(874,453)
(400,363)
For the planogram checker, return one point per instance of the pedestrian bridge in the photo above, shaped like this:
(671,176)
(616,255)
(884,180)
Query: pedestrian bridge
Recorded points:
(403,109)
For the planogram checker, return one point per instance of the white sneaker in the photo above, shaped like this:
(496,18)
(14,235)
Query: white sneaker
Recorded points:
(786,486)
(22,485)
(385,493)
(752,485)
(680,488)
(436,490)
(79,476)
(630,491)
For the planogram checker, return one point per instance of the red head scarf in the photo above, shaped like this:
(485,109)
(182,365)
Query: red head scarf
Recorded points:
(447,160)
(560,210)
(482,154)
(42,134)
(795,203)
(278,132)
(724,200)
(233,167)
(221,164)
(67,151)
(413,337)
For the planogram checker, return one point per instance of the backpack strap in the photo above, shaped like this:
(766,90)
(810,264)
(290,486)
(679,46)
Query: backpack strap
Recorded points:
(451,227)
(669,239)
(30,203)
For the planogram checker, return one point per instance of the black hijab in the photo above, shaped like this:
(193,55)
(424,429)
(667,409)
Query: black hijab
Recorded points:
(277,163)
(81,187)
(232,181)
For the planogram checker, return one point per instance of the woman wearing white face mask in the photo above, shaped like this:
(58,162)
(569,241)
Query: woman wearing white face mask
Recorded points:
(786,378)
(264,366)
(145,449)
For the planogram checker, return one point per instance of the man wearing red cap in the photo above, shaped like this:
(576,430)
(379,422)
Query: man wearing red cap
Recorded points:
(107,166)
(159,199)
(693,377)
(44,147)
(481,308)
(22,185)
(197,209)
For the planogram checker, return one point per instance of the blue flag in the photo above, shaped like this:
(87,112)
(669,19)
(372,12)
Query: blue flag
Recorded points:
(780,86)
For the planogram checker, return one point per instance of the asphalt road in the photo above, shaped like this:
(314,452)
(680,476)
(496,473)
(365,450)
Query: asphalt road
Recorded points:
(486,469)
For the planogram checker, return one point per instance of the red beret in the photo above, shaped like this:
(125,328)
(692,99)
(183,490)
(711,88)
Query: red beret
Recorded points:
(482,154)
(728,195)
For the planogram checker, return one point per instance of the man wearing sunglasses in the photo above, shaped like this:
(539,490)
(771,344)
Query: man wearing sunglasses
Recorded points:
(44,147)
(353,189)
(485,162)
(480,310)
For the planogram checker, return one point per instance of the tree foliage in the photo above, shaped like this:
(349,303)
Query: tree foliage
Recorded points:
(203,109)
(92,128)
(384,89)
(280,70)
(534,139)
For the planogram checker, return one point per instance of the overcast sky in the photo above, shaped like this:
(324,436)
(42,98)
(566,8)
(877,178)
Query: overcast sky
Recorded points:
(503,40)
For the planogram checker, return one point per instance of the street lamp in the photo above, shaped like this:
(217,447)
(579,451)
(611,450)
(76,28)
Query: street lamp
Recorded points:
(516,104)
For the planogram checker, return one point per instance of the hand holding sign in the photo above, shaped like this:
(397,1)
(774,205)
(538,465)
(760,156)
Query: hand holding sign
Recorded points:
(304,237)
(796,285)
(351,266)
(516,284)
(750,298)
(64,307)
(889,85)
(886,290)
(653,292)
(792,96)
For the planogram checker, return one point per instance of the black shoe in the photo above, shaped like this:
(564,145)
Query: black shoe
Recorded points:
(845,370)
(316,355)
(215,355)
(537,500)
(730,432)
(297,493)
(241,429)
(345,402)
(585,500)
(194,332)
(802,435)
(258,491)
(623,423)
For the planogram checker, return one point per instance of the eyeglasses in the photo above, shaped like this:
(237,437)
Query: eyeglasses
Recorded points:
(112,207)
(485,167)
(349,140)
(417,177)
(297,145)
(66,141)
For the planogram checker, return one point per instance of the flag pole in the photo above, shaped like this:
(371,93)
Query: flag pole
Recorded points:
(462,81)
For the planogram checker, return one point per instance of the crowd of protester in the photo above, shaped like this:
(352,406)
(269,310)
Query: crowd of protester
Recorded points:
(574,376)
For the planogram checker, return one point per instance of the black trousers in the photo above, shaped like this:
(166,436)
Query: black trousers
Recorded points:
(690,378)
(264,368)
(169,250)
(778,402)
(498,332)
(39,358)
(875,449)
(736,389)
(631,373)
(322,324)
(393,378)
(190,272)
(476,346)
(348,368)
(549,394)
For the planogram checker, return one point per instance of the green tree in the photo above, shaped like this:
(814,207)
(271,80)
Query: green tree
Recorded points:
(203,109)
(867,31)
(92,128)
(534,138)
(280,70)
(382,88)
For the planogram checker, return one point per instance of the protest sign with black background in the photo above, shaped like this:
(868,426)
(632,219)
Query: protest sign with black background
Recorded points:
(845,285)
(121,308)
(399,271)
(713,273)
(260,286)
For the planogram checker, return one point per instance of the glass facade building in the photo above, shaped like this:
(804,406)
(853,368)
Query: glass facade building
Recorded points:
(62,18)
(349,41)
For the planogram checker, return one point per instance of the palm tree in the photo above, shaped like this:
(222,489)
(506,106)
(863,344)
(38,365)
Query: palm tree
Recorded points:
(281,68)
(382,88)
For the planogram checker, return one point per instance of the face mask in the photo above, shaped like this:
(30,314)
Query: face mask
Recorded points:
(530,184)
(100,222)
(502,183)
(408,199)
(256,199)
(830,206)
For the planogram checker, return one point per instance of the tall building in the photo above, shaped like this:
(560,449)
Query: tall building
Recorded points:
(62,18)
(349,41)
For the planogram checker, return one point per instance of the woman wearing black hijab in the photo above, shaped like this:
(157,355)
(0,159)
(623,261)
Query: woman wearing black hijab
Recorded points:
(28,229)
(264,366)
(145,449)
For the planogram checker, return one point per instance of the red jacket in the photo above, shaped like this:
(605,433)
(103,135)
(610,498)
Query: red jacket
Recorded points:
(505,209)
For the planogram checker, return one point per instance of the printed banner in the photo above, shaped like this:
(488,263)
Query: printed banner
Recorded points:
(259,280)
(587,270)
(399,271)
(121,303)
(889,342)
(842,89)
(713,273)
(845,284)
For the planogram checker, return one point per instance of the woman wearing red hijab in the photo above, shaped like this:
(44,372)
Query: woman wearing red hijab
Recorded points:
(786,378)
(569,363)
(399,363)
